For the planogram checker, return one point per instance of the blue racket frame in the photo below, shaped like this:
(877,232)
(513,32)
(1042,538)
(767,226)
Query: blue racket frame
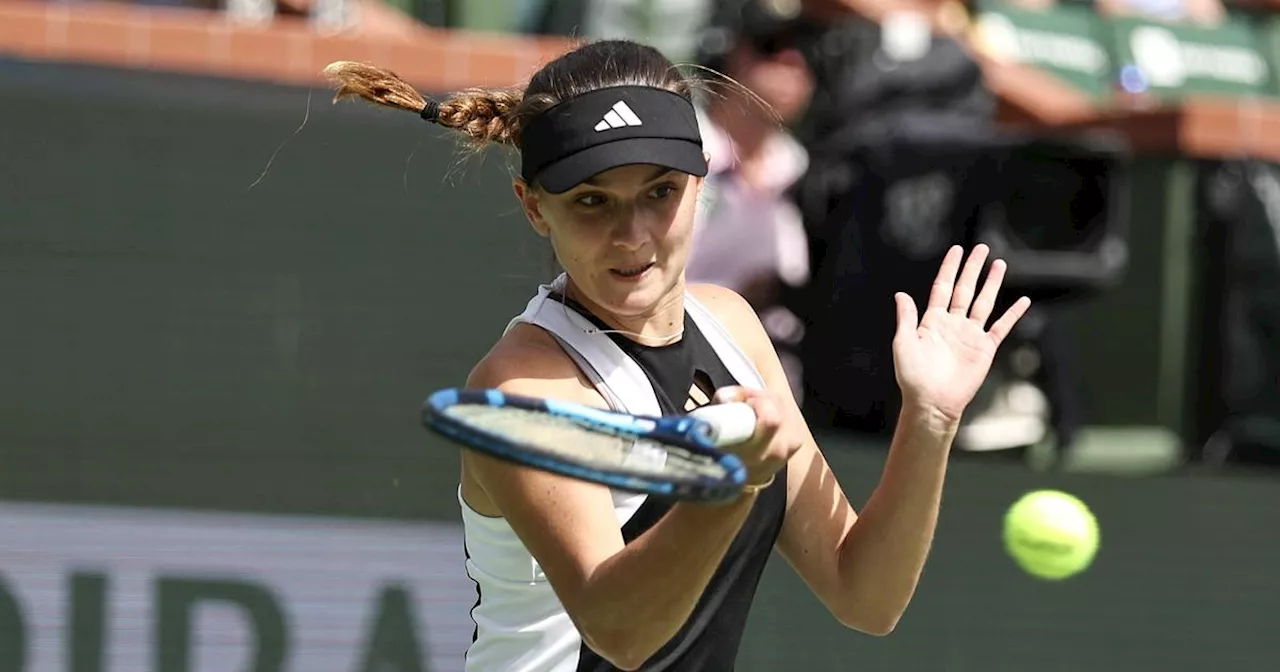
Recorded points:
(680,431)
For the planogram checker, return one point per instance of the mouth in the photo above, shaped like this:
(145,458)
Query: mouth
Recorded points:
(631,272)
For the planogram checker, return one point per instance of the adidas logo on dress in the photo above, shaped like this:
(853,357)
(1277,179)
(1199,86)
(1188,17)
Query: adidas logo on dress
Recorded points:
(621,115)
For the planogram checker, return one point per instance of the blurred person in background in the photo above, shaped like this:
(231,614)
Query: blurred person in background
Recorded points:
(1203,12)
(897,134)
(878,206)
(749,236)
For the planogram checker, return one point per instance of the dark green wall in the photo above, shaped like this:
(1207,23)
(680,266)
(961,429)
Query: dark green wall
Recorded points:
(174,338)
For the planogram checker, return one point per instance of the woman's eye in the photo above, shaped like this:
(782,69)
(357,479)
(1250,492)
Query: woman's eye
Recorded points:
(663,191)
(590,200)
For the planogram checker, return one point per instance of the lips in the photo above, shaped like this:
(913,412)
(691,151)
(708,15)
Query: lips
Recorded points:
(631,272)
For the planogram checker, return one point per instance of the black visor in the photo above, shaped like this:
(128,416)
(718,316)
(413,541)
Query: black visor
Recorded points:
(608,128)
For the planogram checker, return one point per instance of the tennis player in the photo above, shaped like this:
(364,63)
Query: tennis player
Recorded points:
(572,576)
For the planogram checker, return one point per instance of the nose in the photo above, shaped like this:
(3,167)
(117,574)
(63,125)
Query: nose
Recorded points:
(631,230)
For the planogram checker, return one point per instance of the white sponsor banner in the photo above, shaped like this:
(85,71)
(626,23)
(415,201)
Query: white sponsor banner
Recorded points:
(134,590)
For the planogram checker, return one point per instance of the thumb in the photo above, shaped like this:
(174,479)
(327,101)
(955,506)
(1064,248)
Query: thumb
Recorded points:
(908,319)
(730,394)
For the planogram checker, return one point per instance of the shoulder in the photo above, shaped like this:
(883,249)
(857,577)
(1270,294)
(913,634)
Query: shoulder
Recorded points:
(721,301)
(736,315)
(528,360)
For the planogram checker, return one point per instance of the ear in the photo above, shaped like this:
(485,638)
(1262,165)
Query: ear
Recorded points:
(528,197)
(702,181)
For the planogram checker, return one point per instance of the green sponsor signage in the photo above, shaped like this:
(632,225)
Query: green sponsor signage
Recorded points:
(1068,41)
(1182,59)
(1268,27)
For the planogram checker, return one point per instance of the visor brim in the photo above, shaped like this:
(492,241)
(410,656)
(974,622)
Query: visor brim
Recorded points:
(572,170)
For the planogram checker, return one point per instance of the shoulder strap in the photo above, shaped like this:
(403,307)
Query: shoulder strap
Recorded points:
(616,376)
(733,357)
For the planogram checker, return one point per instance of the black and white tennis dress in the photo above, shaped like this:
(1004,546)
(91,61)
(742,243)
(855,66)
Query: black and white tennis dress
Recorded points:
(520,625)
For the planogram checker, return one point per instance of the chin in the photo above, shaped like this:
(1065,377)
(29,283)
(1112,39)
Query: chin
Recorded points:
(632,299)
(631,304)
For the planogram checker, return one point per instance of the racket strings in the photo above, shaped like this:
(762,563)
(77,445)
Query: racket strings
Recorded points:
(565,438)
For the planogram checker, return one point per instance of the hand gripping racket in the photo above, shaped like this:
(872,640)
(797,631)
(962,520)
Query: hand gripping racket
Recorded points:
(675,456)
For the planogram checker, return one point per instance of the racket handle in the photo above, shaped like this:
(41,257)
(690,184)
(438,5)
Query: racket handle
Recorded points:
(730,423)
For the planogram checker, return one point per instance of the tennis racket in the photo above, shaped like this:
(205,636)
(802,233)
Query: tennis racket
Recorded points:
(676,456)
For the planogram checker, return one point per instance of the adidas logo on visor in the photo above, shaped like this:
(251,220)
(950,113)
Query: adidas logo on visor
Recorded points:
(619,116)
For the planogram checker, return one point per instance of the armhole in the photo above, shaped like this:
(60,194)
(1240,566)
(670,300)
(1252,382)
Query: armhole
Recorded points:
(739,363)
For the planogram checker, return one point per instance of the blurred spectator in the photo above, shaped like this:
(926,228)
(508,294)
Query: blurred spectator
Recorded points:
(1206,12)
(1032,5)
(901,138)
(897,113)
(750,236)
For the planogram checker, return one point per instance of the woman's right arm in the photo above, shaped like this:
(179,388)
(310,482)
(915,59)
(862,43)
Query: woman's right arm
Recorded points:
(626,600)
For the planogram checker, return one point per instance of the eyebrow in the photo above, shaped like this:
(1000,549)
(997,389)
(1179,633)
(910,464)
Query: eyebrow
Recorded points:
(657,173)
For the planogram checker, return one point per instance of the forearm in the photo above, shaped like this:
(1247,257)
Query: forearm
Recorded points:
(637,599)
(881,558)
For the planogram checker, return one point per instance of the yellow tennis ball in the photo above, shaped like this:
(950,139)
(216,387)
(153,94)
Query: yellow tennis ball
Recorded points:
(1051,534)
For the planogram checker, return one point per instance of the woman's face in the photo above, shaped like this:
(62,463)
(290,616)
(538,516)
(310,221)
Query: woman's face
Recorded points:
(781,78)
(622,236)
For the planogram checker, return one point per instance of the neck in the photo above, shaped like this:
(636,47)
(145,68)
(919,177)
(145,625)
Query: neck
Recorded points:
(662,324)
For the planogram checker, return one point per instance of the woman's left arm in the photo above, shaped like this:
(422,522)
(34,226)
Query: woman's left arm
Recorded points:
(865,567)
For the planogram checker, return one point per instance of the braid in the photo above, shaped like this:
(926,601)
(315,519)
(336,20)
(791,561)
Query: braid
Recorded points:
(484,115)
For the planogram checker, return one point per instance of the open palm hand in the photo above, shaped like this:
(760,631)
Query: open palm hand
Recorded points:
(942,359)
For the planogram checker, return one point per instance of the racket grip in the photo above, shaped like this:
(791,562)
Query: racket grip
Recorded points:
(730,423)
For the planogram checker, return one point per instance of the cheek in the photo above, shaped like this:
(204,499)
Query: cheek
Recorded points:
(673,228)
(574,243)
(566,247)
(682,222)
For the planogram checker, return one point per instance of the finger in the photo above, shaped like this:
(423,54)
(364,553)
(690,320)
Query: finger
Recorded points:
(968,284)
(908,319)
(768,417)
(729,394)
(1005,324)
(986,301)
(940,295)
(736,393)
